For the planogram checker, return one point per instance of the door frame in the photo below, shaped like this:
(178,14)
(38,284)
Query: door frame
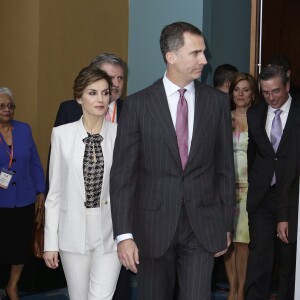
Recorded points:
(255,37)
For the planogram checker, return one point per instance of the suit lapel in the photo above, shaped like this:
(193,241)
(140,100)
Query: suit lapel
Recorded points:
(106,155)
(293,116)
(203,110)
(158,105)
(260,127)
(78,153)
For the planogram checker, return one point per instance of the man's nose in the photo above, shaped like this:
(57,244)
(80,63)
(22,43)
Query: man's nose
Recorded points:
(203,60)
(115,81)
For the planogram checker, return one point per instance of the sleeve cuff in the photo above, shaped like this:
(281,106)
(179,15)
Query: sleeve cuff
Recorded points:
(123,237)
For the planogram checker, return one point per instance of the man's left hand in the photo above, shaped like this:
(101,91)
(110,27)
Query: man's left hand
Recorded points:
(228,244)
(283,231)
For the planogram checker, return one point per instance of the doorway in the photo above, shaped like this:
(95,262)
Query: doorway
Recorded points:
(280,33)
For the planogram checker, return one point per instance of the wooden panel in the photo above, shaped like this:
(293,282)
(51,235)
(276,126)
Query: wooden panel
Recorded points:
(281,32)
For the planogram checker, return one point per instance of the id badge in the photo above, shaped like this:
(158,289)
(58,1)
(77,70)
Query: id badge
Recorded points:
(5,178)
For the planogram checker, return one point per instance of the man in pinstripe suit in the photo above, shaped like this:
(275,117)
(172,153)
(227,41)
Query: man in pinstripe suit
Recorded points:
(170,219)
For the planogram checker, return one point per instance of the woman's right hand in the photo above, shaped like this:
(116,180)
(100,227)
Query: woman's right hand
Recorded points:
(51,259)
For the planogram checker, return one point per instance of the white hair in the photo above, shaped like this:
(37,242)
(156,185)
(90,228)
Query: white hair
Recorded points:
(7,91)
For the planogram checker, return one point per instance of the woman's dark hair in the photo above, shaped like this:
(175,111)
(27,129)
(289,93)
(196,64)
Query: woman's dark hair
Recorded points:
(87,76)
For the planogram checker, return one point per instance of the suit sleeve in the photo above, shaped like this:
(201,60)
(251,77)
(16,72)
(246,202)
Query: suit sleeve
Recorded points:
(225,165)
(290,179)
(52,202)
(123,176)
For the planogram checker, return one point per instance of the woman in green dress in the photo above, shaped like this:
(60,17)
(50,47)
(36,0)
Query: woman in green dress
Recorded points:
(243,93)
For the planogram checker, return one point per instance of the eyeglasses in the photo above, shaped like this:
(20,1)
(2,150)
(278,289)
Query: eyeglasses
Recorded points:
(10,106)
(273,93)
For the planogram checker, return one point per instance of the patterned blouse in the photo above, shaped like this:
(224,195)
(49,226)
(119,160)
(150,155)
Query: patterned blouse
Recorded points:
(93,169)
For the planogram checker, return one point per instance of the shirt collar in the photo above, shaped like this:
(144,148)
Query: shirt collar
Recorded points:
(285,107)
(171,88)
(111,105)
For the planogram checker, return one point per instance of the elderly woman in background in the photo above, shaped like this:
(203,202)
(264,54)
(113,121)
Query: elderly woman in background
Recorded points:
(22,183)
(78,215)
(243,93)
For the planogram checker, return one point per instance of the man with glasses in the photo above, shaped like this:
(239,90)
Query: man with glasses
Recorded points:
(271,127)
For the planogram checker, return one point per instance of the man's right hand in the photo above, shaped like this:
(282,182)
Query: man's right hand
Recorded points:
(128,254)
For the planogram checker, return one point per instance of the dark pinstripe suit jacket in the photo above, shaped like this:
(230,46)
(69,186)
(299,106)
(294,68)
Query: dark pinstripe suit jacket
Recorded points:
(149,187)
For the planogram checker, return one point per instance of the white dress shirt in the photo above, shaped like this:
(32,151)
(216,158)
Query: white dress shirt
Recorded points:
(112,109)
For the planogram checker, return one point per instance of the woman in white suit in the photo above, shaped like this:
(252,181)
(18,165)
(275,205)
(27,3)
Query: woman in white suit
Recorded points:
(78,217)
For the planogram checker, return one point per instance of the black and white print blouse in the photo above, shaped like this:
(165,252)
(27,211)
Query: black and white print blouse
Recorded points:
(93,169)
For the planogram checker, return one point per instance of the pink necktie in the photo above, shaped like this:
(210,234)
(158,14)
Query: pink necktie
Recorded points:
(107,116)
(182,128)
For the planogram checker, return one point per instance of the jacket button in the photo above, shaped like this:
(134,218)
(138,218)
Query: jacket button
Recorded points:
(14,184)
(180,201)
(275,158)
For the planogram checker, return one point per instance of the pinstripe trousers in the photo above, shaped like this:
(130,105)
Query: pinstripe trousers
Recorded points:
(186,261)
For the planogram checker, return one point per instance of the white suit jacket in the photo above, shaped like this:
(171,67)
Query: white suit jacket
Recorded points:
(65,211)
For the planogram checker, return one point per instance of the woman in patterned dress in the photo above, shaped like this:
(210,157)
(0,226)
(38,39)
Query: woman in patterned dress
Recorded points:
(243,93)
(78,216)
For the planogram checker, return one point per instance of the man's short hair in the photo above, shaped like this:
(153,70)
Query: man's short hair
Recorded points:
(171,38)
(223,74)
(272,71)
(109,58)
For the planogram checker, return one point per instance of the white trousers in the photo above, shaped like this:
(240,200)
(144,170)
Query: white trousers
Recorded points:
(94,275)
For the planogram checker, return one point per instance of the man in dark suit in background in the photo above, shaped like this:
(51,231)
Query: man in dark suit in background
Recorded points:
(173,197)
(222,77)
(271,126)
(70,111)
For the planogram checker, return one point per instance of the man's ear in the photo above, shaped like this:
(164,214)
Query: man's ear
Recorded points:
(228,84)
(170,57)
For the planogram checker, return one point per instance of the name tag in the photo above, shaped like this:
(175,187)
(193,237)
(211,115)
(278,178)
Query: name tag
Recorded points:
(5,178)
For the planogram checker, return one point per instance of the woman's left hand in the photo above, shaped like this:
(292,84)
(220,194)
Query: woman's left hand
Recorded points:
(40,198)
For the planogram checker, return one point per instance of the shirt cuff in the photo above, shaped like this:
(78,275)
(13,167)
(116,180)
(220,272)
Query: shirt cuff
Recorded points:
(123,237)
